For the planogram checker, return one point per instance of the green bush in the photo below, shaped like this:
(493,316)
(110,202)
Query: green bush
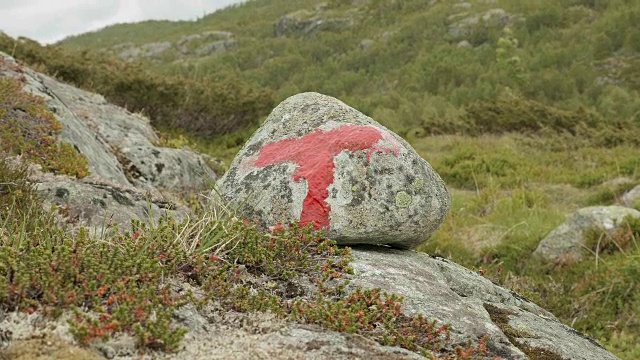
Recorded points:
(519,115)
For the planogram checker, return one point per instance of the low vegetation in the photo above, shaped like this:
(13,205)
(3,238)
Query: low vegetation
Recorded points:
(29,129)
(124,283)
(413,64)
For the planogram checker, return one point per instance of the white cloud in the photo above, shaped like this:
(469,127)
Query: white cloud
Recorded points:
(51,20)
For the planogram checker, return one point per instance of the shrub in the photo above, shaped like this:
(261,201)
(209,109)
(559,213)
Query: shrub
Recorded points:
(519,115)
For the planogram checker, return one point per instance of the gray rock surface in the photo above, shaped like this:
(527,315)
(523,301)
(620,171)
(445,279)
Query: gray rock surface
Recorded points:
(317,160)
(218,335)
(206,43)
(201,44)
(463,26)
(130,139)
(101,205)
(365,44)
(566,242)
(128,173)
(305,22)
(451,294)
(128,51)
(440,290)
(632,198)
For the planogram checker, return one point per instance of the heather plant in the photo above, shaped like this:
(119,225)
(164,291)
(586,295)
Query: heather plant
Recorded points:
(28,128)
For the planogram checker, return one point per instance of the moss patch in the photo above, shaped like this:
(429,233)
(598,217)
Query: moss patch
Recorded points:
(403,199)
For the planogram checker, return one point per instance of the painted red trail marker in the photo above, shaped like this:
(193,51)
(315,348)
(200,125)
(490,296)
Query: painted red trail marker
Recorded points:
(313,154)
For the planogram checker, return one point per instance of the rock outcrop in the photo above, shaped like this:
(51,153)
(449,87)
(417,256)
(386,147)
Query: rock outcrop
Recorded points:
(206,43)
(566,243)
(128,172)
(203,44)
(317,160)
(306,23)
(467,26)
(215,335)
(129,51)
(472,305)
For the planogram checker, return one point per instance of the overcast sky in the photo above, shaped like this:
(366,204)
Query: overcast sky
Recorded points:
(48,21)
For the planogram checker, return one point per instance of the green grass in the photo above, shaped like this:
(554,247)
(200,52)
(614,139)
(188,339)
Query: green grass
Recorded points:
(602,290)
(509,191)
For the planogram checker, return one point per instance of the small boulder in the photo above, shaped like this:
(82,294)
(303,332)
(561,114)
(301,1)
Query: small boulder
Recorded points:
(365,44)
(566,242)
(632,198)
(318,161)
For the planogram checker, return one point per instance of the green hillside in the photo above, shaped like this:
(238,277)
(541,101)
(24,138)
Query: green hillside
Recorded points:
(412,64)
(529,110)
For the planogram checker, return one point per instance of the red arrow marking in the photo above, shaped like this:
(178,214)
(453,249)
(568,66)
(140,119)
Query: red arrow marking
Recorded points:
(313,154)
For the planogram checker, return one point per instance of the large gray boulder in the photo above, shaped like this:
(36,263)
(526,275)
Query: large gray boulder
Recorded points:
(318,161)
(566,243)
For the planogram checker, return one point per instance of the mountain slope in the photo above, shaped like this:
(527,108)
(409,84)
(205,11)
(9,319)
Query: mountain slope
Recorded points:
(413,64)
